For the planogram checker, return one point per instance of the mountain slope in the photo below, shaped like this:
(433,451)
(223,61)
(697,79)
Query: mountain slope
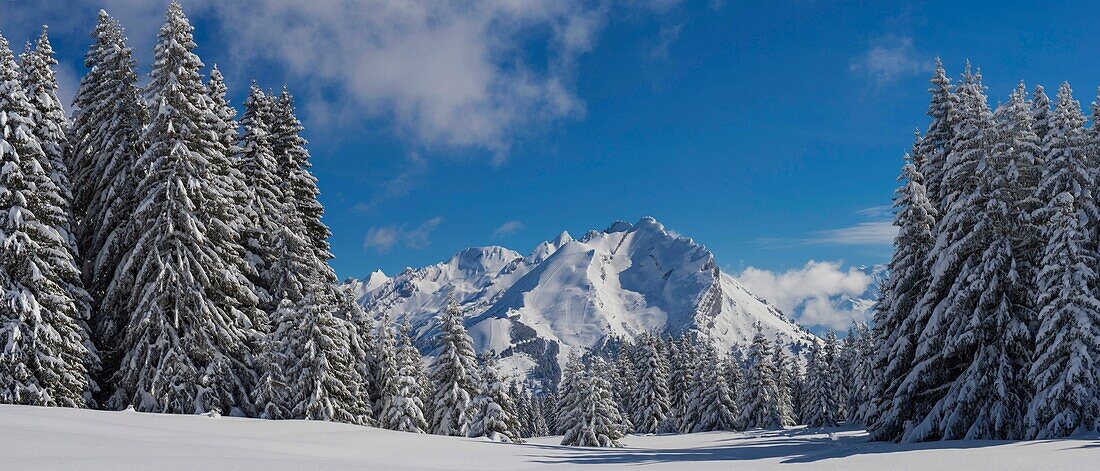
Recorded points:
(572,295)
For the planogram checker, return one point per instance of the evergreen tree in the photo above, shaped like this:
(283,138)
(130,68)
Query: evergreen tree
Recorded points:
(403,407)
(266,204)
(625,384)
(271,396)
(103,148)
(524,409)
(936,147)
(681,369)
(1066,169)
(298,184)
(834,360)
(320,370)
(798,394)
(51,127)
(385,354)
(1064,371)
(651,397)
(820,408)
(364,340)
(454,376)
(495,413)
(539,426)
(568,394)
(227,216)
(712,406)
(955,257)
(1040,109)
(186,348)
(783,383)
(45,357)
(760,396)
(863,375)
(593,418)
(897,324)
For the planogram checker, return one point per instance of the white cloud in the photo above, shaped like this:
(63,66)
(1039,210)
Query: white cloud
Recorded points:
(403,183)
(814,295)
(885,211)
(382,239)
(444,73)
(864,233)
(449,73)
(666,35)
(891,57)
(510,227)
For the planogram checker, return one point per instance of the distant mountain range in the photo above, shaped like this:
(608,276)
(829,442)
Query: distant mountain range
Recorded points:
(573,295)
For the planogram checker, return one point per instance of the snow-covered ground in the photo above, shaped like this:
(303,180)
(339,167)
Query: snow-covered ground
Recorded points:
(33,438)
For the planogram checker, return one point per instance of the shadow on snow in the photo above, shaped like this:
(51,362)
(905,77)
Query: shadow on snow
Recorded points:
(801,445)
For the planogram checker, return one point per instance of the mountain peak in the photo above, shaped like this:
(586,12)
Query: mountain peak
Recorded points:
(571,296)
(618,226)
(562,239)
(483,259)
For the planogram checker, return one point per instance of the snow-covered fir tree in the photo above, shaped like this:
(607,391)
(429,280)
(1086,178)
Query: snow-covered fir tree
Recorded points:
(592,419)
(539,425)
(955,256)
(266,204)
(454,376)
(936,147)
(760,396)
(863,374)
(384,351)
(45,358)
(625,384)
(834,359)
(402,404)
(651,397)
(524,408)
(298,184)
(51,127)
(271,396)
(798,393)
(567,394)
(228,215)
(820,408)
(991,335)
(784,379)
(712,405)
(363,342)
(1064,371)
(1040,109)
(103,147)
(319,368)
(495,412)
(186,346)
(680,353)
(897,326)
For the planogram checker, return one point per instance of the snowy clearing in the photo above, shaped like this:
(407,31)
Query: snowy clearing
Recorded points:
(33,438)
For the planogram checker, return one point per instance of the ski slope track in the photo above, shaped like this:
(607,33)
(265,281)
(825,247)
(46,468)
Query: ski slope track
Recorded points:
(574,295)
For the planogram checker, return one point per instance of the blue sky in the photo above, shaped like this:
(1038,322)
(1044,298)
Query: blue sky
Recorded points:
(770,131)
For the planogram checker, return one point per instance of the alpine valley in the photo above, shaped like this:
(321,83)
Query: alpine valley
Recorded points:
(571,296)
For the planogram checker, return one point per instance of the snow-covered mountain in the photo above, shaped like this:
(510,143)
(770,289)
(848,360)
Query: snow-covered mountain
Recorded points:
(866,300)
(571,295)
